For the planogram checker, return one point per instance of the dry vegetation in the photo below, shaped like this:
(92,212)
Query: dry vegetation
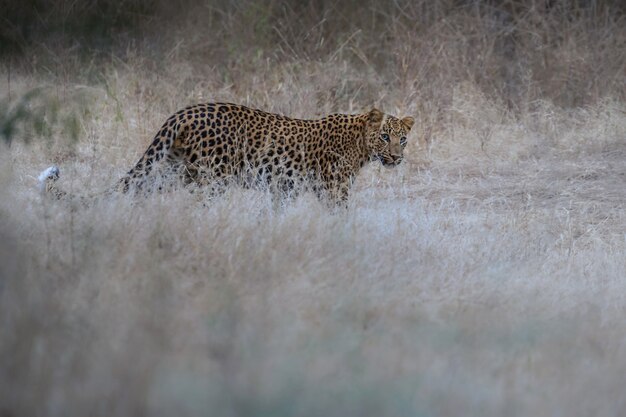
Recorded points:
(483,277)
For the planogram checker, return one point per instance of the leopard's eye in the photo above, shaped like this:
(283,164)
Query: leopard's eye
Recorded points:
(403,140)
(385,137)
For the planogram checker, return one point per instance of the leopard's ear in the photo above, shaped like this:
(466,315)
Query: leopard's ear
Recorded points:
(375,116)
(408,122)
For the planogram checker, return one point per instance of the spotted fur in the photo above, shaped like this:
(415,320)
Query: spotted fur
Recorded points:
(219,143)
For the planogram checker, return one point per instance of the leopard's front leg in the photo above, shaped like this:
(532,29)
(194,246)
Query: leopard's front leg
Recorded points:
(335,193)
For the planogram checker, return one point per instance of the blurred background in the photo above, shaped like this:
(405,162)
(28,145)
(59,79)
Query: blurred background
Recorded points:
(567,51)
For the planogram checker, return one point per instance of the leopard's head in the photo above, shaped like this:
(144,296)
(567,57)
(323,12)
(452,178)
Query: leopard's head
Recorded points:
(386,137)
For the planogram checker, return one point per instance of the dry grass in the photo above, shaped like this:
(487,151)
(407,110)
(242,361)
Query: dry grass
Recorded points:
(483,277)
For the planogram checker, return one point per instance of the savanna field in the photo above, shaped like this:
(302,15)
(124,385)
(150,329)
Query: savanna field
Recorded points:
(484,276)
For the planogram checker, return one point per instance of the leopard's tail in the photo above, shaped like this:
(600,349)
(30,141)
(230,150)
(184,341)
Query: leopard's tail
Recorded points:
(46,182)
(162,149)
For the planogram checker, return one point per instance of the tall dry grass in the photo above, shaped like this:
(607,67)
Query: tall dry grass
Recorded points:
(484,276)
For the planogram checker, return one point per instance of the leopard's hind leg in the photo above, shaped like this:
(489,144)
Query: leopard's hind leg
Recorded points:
(160,165)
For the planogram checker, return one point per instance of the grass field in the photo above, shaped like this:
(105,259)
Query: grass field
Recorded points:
(485,276)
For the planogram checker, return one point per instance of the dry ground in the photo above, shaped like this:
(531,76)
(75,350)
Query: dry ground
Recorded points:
(486,276)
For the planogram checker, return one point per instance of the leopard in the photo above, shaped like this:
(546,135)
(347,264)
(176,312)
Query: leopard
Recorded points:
(217,144)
